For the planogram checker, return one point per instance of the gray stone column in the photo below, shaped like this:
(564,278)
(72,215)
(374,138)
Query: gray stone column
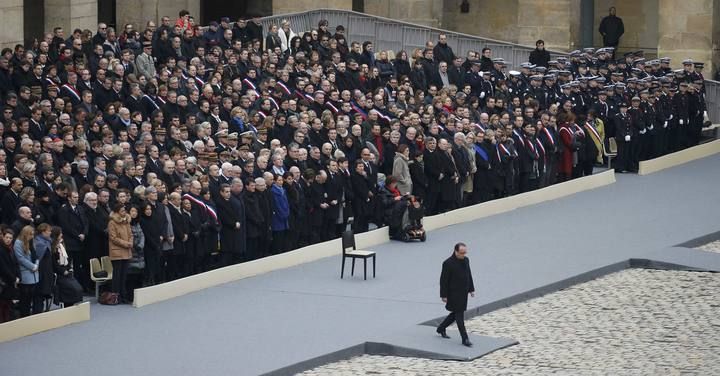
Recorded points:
(71,14)
(690,31)
(291,6)
(11,19)
(139,12)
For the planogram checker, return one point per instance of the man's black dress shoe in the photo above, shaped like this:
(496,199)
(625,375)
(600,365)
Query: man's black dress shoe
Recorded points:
(442,333)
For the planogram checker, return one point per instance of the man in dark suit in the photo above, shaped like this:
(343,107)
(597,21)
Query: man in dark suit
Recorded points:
(177,266)
(433,173)
(456,283)
(334,187)
(74,225)
(611,29)
(370,168)
(318,207)
(10,201)
(231,214)
(363,197)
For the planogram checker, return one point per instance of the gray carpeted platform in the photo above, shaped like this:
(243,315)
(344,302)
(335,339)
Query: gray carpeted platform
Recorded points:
(414,341)
(283,318)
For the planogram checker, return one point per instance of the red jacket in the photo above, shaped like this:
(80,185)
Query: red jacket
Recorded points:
(567,135)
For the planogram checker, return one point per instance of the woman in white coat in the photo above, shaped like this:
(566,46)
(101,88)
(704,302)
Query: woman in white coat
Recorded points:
(286,34)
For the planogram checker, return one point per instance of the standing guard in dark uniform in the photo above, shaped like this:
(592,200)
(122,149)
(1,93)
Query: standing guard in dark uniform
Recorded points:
(637,118)
(623,138)
(678,138)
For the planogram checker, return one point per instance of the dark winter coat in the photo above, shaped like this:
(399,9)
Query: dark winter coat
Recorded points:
(456,283)
(230,212)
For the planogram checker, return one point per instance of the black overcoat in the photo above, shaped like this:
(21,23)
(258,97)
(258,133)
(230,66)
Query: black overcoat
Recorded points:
(456,283)
(181,227)
(232,239)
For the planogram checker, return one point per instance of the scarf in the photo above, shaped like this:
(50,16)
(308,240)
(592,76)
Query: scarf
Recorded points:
(62,255)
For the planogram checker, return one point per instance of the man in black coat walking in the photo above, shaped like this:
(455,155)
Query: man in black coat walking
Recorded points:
(456,283)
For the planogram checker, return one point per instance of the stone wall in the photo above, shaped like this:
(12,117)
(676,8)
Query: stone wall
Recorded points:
(138,12)
(291,6)
(70,15)
(549,20)
(495,19)
(690,31)
(424,12)
(518,21)
(11,19)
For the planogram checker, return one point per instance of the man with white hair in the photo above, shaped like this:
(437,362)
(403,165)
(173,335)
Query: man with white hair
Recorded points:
(24,218)
(225,176)
(461,158)
(97,240)
(82,176)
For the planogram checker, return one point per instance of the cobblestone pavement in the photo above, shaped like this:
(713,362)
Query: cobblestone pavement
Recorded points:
(634,322)
(711,247)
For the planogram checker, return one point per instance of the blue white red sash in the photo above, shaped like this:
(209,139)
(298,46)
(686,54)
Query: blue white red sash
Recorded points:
(549,135)
(73,91)
(505,150)
(593,131)
(274,103)
(332,107)
(207,208)
(359,110)
(540,145)
(284,88)
(249,83)
(152,101)
(531,145)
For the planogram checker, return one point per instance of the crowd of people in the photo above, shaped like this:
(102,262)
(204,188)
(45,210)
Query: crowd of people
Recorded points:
(176,148)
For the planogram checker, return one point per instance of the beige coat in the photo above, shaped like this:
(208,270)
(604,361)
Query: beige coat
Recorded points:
(120,235)
(401,172)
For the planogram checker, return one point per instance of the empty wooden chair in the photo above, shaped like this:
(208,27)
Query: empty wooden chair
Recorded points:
(350,251)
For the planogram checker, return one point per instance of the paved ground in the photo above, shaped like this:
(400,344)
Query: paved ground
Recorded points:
(634,322)
(711,247)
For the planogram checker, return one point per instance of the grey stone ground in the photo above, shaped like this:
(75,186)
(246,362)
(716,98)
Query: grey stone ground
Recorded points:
(634,322)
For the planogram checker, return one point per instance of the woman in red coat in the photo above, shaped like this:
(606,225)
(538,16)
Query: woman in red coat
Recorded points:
(567,135)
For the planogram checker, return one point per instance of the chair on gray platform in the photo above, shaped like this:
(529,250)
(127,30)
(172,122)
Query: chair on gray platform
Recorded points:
(350,251)
(609,150)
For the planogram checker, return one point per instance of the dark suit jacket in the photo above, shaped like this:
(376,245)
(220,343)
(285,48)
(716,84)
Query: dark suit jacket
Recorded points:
(456,283)
(181,227)
(73,223)
(334,187)
(9,205)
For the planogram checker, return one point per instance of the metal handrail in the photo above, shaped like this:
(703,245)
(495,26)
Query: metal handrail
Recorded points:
(390,34)
(321,11)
